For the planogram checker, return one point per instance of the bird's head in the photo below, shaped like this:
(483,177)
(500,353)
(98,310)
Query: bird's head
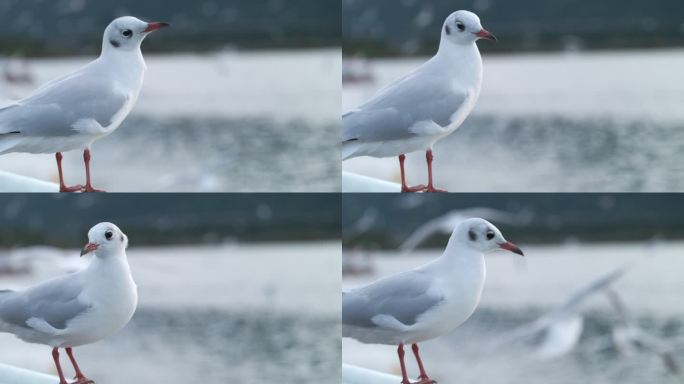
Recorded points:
(463,28)
(483,236)
(126,33)
(105,239)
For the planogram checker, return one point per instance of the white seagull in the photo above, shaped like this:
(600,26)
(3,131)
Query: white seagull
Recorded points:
(562,327)
(427,302)
(77,309)
(72,112)
(413,113)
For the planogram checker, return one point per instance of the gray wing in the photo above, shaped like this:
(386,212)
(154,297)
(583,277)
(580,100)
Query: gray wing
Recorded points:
(404,297)
(54,108)
(55,301)
(395,110)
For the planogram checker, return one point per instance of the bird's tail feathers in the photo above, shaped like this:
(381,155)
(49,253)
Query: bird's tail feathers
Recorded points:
(350,149)
(8,142)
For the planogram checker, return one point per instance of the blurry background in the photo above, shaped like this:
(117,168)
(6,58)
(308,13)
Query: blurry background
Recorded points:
(577,96)
(630,330)
(232,288)
(238,96)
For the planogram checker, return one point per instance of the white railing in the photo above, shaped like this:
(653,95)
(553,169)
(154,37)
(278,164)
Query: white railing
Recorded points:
(357,375)
(12,375)
(10,182)
(354,183)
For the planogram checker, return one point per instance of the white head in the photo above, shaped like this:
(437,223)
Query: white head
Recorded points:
(105,239)
(482,236)
(464,28)
(127,33)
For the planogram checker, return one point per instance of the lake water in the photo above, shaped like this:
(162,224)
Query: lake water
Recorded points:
(519,290)
(562,122)
(230,121)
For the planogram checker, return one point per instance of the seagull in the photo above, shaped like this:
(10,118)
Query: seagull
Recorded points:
(628,336)
(413,113)
(447,222)
(563,325)
(427,302)
(72,112)
(76,309)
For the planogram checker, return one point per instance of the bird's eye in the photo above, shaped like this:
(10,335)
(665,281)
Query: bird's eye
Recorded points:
(127,33)
(460,26)
(490,235)
(108,235)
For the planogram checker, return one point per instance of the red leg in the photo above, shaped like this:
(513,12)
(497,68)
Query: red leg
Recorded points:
(86,160)
(404,187)
(62,186)
(431,188)
(404,376)
(424,379)
(55,357)
(80,378)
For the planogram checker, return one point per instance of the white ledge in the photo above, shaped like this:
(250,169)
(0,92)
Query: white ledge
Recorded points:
(12,375)
(354,183)
(10,182)
(357,375)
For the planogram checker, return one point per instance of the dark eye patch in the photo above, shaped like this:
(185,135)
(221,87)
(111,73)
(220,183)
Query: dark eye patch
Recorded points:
(472,235)
(108,235)
(490,235)
(127,33)
(460,26)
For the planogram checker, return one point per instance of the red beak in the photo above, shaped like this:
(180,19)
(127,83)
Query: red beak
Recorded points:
(88,248)
(154,26)
(511,247)
(485,34)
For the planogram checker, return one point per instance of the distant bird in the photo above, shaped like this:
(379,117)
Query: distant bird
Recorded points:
(563,325)
(77,309)
(72,112)
(628,336)
(446,223)
(427,302)
(413,113)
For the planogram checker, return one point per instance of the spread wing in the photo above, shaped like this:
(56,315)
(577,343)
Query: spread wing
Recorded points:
(403,297)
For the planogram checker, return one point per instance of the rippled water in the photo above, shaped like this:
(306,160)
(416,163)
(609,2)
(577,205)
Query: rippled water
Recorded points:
(178,346)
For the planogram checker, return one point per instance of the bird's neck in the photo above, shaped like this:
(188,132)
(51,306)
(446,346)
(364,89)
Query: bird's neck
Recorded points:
(112,265)
(459,58)
(457,257)
(131,60)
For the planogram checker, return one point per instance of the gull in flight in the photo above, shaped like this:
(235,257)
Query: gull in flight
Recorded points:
(415,112)
(563,325)
(72,112)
